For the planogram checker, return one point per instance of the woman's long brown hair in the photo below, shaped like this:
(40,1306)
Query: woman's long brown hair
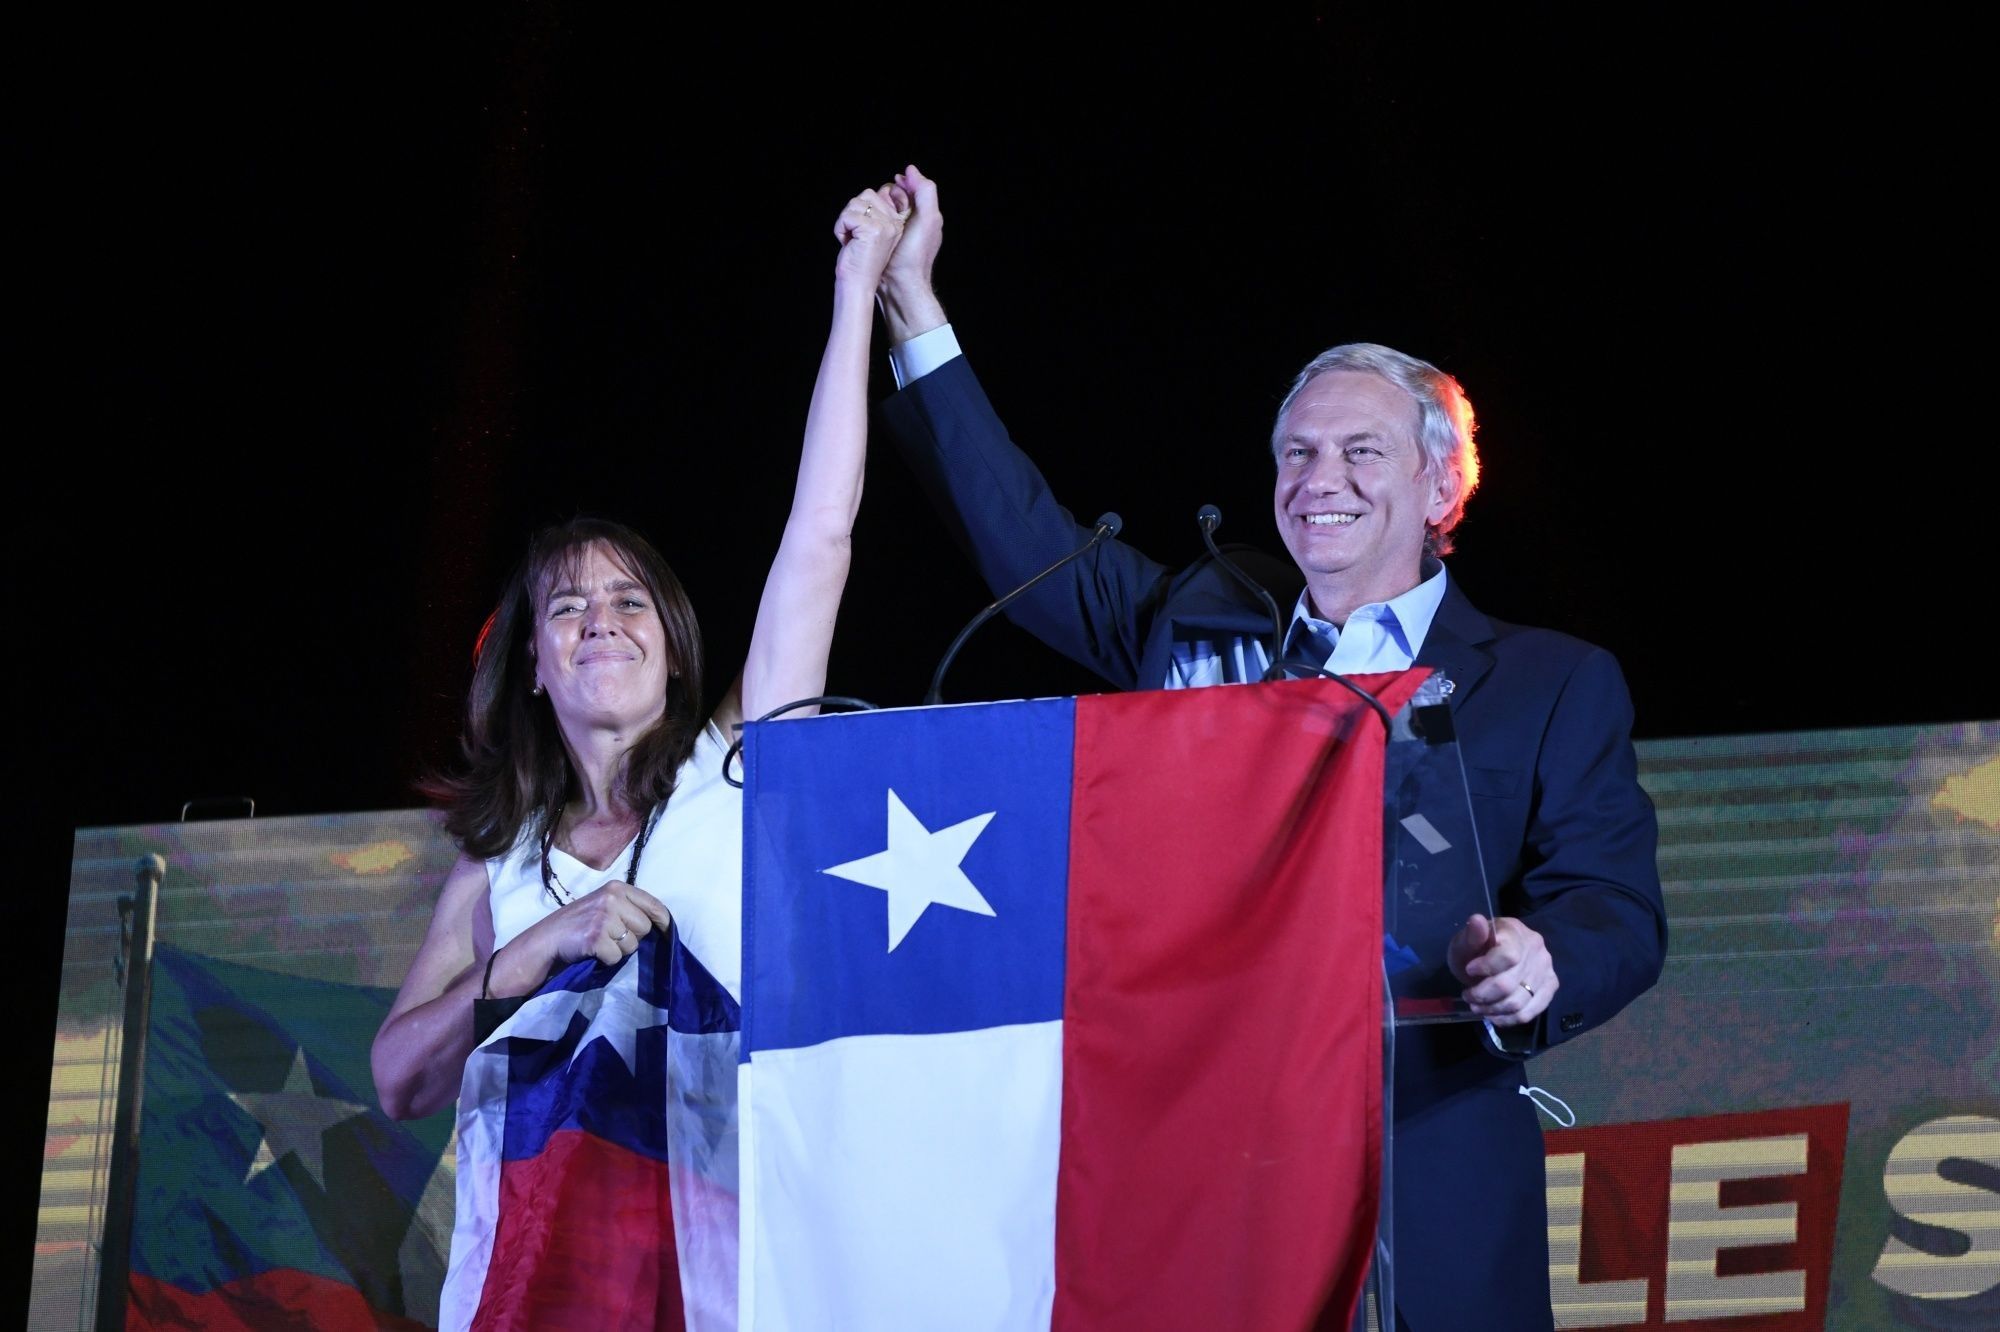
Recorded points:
(516,771)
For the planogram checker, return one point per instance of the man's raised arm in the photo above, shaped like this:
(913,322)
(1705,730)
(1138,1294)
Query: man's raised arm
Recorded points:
(991,496)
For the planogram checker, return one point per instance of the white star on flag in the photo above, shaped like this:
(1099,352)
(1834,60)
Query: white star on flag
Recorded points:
(295,1120)
(920,867)
(615,1014)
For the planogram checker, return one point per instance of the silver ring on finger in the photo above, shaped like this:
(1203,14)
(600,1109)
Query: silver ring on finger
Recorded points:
(623,935)
(1529,988)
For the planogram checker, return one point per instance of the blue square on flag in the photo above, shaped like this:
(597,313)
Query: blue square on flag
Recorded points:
(894,884)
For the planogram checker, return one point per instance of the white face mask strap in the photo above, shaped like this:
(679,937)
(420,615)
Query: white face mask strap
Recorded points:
(1550,1104)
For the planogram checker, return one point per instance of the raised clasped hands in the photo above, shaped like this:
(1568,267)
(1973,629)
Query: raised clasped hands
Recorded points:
(1506,969)
(868,230)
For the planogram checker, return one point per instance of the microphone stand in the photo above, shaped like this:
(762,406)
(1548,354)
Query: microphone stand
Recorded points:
(1109,525)
(823,701)
(1284,669)
(1210,518)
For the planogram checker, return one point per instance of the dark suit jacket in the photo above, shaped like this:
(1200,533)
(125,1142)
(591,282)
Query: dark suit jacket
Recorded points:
(1544,724)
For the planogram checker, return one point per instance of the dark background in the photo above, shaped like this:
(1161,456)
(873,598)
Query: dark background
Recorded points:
(323,315)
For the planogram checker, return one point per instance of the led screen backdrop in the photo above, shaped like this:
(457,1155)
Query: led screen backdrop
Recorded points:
(268,1176)
(1824,1038)
(1800,1127)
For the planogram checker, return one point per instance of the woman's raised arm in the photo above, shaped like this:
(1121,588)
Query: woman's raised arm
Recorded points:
(794,628)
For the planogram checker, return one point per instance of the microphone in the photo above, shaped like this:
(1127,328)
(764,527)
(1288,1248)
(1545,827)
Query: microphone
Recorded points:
(1108,525)
(1210,518)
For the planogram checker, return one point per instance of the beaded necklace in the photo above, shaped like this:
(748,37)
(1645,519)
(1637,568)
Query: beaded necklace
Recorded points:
(553,886)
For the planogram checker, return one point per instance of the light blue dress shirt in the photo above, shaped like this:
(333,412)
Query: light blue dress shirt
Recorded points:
(1380,636)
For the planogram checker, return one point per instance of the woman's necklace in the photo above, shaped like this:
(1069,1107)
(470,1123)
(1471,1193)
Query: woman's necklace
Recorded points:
(553,885)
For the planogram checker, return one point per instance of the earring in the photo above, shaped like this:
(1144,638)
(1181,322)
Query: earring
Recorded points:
(537,690)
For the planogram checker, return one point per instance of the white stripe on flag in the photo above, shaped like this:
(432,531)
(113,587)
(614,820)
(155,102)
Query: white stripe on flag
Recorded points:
(913,1175)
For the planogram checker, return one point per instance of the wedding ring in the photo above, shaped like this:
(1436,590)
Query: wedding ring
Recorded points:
(621,936)
(1529,988)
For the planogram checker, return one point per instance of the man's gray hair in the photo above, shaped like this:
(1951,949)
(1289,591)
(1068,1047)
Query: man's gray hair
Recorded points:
(1444,419)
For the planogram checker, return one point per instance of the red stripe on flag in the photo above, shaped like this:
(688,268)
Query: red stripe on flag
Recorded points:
(279,1298)
(585,1240)
(1222,1057)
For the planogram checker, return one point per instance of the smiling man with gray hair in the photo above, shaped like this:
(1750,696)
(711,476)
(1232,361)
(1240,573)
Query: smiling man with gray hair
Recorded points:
(1374,461)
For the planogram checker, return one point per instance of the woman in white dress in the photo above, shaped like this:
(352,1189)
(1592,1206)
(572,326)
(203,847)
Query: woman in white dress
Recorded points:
(591,808)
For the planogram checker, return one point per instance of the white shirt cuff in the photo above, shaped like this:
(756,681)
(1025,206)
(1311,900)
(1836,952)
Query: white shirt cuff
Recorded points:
(922,354)
(1518,1044)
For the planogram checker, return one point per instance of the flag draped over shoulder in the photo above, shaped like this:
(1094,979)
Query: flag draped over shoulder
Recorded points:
(597,1154)
(1065,1012)
(271,1190)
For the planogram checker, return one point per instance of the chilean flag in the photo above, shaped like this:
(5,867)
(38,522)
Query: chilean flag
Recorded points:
(1064,1013)
(597,1155)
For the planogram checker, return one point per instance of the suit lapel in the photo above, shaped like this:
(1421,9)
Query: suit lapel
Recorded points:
(1455,645)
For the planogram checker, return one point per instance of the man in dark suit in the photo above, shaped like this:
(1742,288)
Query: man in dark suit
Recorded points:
(1374,461)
